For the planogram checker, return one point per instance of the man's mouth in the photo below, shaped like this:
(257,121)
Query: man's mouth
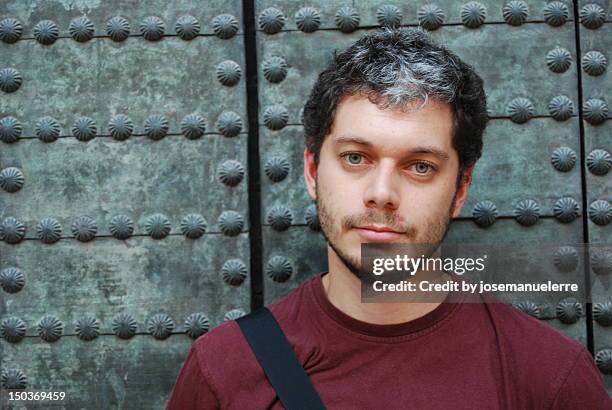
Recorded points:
(378,233)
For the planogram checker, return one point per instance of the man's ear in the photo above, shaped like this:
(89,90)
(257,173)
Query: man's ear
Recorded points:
(310,173)
(462,190)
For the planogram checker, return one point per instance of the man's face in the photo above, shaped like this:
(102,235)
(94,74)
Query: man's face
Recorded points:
(385,169)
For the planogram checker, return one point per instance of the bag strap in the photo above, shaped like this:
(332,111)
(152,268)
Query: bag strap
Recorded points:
(279,362)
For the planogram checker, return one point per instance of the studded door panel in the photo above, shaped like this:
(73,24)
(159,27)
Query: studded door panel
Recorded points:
(528,185)
(124,207)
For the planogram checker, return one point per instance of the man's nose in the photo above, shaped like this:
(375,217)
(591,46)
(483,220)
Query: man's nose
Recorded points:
(382,190)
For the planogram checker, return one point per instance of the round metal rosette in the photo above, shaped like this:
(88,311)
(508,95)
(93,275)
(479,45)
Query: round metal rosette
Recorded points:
(279,217)
(430,16)
(225,26)
(556,13)
(271,20)
(307,19)
(346,19)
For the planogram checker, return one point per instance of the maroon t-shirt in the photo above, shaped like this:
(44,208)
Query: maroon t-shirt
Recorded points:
(459,356)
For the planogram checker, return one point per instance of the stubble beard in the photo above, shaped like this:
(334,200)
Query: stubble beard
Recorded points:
(434,233)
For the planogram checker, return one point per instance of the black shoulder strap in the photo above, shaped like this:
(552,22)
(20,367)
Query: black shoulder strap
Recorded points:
(278,360)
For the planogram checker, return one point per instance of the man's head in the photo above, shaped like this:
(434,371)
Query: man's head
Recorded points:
(393,129)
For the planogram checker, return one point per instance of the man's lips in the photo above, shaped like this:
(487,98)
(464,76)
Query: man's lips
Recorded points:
(378,234)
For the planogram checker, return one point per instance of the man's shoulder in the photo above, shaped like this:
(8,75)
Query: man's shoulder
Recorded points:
(226,341)
(527,335)
(535,354)
(544,362)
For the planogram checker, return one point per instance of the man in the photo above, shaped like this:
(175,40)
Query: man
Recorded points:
(393,129)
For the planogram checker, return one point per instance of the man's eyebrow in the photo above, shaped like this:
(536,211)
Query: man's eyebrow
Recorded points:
(417,150)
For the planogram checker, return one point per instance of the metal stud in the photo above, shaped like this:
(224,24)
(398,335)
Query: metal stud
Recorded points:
(601,262)
(12,230)
(10,30)
(46,32)
(120,127)
(156,126)
(271,20)
(484,213)
(389,15)
(275,117)
(529,308)
(11,179)
(430,16)
(595,111)
(193,226)
(279,217)
(561,108)
(49,230)
(196,325)
(312,218)
(12,280)
(602,313)
(568,311)
(347,19)
(565,259)
(121,226)
(277,168)
(559,60)
(81,29)
(234,272)
(515,12)
(84,228)
(566,209)
(603,360)
(13,379)
(527,212)
(600,212)
(187,27)
(160,325)
(563,159)
(228,73)
(13,329)
(225,26)
(599,162)
(50,328)
(10,80)
(274,69)
(233,314)
(473,14)
(84,129)
(118,28)
(520,110)
(152,28)
(124,325)
(231,223)
(157,226)
(193,126)
(47,129)
(307,19)
(10,129)
(231,172)
(87,327)
(229,124)
(556,13)
(279,269)
(594,63)
(592,15)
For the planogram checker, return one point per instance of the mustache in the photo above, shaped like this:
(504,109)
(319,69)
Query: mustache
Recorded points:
(389,220)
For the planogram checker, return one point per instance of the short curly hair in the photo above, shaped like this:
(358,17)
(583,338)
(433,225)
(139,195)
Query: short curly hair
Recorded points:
(395,67)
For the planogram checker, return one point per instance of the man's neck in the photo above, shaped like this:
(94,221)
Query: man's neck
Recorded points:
(343,289)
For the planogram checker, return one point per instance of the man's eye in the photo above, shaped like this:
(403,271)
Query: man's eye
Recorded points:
(423,167)
(353,158)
